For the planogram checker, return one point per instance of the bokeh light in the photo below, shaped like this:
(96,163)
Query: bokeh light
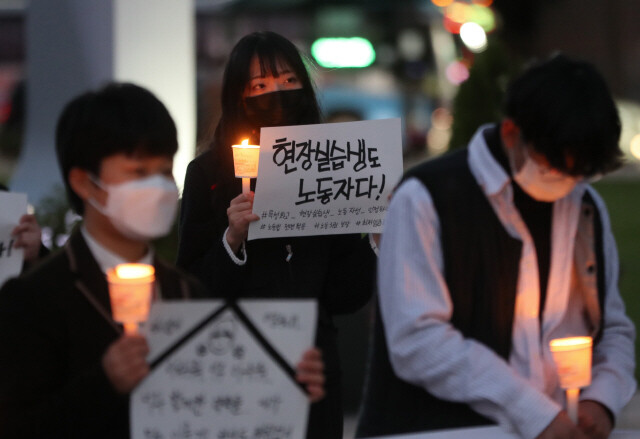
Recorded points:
(442,3)
(458,13)
(473,36)
(457,72)
(411,44)
(485,3)
(635,146)
(450,25)
(439,135)
(355,52)
(441,119)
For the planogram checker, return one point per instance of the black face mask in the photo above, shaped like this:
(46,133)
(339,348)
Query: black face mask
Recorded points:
(278,108)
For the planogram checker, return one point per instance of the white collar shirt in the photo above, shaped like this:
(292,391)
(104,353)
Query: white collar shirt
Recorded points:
(105,258)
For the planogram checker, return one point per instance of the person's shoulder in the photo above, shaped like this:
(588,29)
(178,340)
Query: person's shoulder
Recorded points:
(442,166)
(43,283)
(51,269)
(591,195)
(202,160)
(202,168)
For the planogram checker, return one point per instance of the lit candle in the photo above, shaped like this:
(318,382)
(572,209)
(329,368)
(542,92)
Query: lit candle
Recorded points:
(245,162)
(572,356)
(130,291)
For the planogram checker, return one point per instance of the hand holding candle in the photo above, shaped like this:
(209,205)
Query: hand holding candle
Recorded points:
(245,161)
(130,291)
(572,356)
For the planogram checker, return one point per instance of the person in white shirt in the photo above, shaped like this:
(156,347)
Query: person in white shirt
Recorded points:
(489,253)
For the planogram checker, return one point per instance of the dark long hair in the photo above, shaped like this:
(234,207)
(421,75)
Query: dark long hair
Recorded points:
(271,49)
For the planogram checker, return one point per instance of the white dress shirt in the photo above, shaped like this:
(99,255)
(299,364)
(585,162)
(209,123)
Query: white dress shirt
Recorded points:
(522,395)
(105,258)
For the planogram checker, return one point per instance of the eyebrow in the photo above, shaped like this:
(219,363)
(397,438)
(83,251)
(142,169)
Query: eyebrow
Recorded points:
(283,72)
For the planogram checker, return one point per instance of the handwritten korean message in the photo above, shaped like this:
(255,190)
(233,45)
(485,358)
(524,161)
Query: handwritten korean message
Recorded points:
(12,207)
(217,370)
(326,178)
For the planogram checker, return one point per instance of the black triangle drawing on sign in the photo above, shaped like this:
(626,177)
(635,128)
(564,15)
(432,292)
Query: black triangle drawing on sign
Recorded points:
(248,324)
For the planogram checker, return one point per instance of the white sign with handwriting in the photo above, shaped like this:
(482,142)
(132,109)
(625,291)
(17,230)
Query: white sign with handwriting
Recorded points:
(326,179)
(12,207)
(224,372)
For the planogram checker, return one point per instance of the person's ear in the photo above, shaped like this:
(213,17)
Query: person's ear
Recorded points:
(81,183)
(509,132)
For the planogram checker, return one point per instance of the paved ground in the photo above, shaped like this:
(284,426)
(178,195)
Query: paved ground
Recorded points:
(629,419)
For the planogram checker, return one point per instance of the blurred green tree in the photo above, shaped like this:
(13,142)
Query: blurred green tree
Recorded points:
(480,98)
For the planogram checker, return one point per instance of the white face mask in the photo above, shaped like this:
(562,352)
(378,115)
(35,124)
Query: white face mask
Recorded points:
(540,183)
(141,209)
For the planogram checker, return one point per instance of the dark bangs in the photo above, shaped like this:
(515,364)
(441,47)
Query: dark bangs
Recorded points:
(120,118)
(275,50)
(130,120)
(271,48)
(564,108)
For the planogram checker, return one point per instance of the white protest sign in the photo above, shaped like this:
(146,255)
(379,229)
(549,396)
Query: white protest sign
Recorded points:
(12,207)
(220,371)
(326,179)
(490,433)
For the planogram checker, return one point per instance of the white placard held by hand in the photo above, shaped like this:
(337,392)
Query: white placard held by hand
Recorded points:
(326,179)
(12,207)
(221,370)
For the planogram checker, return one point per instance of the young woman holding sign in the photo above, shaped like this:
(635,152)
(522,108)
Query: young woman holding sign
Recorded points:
(266,84)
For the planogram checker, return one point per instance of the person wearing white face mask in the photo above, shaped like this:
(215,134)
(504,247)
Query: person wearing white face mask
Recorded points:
(66,367)
(490,252)
(140,209)
(539,181)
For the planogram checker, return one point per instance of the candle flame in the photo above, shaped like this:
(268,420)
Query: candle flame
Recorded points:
(245,145)
(134,271)
(570,343)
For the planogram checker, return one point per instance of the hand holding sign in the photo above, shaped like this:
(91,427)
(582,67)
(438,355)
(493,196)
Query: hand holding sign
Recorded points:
(310,372)
(11,258)
(27,236)
(326,178)
(240,215)
(125,363)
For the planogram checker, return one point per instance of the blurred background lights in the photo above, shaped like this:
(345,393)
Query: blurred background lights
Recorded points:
(442,3)
(483,16)
(439,135)
(457,13)
(411,44)
(441,119)
(635,146)
(352,52)
(457,72)
(473,36)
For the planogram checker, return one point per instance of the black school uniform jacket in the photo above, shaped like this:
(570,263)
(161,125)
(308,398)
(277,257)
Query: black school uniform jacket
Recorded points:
(55,326)
(337,270)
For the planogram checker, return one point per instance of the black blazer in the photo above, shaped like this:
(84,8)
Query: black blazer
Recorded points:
(336,270)
(55,325)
